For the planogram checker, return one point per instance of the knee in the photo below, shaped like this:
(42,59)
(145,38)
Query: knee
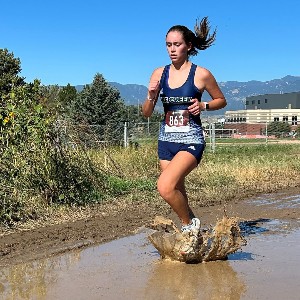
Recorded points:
(164,188)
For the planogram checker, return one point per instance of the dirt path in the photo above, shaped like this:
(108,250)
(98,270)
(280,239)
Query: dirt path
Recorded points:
(42,242)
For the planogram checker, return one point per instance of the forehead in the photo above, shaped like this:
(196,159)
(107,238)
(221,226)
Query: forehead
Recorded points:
(174,36)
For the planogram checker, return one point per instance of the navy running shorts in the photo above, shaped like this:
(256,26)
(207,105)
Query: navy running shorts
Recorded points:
(167,150)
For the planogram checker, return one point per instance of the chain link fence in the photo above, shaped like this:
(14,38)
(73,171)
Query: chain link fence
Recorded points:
(102,136)
(128,134)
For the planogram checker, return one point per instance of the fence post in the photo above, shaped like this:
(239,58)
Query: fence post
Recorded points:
(267,133)
(125,135)
(212,137)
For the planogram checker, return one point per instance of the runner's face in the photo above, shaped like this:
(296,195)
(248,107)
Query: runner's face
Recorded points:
(176,46)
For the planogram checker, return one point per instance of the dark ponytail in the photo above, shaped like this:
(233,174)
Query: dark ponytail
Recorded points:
(201,39)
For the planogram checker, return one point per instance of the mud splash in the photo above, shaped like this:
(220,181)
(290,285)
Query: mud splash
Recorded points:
(215,244)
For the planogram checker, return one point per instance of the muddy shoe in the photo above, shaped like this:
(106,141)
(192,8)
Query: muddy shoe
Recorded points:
(193,227)
(191,234)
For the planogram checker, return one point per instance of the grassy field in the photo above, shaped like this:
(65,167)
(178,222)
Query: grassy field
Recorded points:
(230,172)
(130,174)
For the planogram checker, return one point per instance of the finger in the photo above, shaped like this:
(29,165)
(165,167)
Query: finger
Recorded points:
(194,105)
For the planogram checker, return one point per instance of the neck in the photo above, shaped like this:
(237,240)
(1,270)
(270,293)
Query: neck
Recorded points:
(181,65)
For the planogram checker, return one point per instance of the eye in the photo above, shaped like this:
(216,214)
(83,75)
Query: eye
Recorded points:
(174,44)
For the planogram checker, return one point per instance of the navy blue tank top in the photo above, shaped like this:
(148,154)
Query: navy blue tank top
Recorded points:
(179,125)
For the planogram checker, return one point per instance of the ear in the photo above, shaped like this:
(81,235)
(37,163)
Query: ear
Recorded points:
(189,46)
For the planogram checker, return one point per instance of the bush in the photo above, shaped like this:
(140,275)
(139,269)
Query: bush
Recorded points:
(35,163)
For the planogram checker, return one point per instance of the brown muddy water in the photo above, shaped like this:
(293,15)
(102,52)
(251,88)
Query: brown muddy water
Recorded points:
(268,267)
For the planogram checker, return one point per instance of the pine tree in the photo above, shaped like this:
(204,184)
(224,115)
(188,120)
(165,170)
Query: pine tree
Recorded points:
(278,128)
(98,103)
(10,67)
(66,96)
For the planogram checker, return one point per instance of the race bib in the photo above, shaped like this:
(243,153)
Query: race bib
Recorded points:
(177,121)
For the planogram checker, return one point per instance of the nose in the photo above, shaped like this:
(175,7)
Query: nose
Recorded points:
(172,48)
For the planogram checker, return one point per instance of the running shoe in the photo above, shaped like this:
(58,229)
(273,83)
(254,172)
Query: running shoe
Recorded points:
(191,234)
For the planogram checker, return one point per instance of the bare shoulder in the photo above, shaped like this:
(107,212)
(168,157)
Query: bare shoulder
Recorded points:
(156,75)
(203,74)
(203,78)
(206,81)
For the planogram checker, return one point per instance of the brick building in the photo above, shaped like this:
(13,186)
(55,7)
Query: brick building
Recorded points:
(263,109)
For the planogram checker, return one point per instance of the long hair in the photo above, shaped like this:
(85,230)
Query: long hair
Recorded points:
(201,39)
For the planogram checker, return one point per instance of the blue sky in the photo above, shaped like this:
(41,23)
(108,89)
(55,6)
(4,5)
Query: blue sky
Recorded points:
(61,42)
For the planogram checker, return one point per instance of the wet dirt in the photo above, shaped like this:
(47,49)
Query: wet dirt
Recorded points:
(26,245)
(131,268)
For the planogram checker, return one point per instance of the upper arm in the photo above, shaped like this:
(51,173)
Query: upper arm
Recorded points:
(157,73)
(209,83)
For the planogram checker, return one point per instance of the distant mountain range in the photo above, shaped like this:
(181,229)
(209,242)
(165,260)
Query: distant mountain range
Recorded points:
(234,91)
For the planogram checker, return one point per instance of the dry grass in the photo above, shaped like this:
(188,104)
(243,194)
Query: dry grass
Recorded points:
(232,173)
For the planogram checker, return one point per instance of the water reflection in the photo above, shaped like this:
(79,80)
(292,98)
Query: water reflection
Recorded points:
(241,255)
(278,199)
(212,280)
(128,268)
(31,280)
(253,226)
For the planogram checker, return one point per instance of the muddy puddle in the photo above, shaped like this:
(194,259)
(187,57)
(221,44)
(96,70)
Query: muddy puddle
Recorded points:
(268,267)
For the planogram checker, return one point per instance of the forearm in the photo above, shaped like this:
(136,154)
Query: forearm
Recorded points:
(153,91)
(148,107)
(214,104)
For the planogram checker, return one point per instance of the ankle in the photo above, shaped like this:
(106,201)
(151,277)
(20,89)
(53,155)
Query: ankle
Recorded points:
(186,223)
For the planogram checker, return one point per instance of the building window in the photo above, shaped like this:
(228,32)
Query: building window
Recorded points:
(285,118)
(258,101)
(266,100)
(294,120)
(247,102)
(276,119)
(253,101)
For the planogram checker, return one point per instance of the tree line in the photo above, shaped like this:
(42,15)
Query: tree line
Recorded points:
(37,169)
(98,103)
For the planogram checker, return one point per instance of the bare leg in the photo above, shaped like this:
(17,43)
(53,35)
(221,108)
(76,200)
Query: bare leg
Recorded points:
(171,183)
(181,188)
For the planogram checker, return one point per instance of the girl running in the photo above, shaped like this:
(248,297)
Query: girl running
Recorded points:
(181,143)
